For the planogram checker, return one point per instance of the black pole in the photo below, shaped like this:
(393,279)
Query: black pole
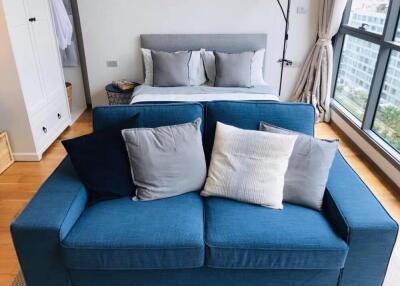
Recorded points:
(284,61)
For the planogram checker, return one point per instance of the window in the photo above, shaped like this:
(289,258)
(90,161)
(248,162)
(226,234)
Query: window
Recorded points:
(397,36)
(369,15)
(387,119)
(367,72)
(353,84)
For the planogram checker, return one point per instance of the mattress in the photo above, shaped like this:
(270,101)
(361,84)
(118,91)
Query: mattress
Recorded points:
(145,93)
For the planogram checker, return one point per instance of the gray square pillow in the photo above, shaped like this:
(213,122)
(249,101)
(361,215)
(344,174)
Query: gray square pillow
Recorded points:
(166,161)
(233,70)
(171,69)
(308,170)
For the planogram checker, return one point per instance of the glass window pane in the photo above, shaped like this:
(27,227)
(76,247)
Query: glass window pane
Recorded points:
(387,118)
(369,15)
(356,69)
(397,36)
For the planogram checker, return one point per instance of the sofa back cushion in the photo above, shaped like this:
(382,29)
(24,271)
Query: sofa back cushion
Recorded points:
(248,115)
(150,115)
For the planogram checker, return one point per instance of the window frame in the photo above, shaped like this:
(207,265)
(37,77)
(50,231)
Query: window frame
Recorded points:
(387,43)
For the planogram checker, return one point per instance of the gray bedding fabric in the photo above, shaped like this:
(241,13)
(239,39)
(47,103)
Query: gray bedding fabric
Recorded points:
(233,70)
(308,171)
(203,89)
(166,161)
(171,69)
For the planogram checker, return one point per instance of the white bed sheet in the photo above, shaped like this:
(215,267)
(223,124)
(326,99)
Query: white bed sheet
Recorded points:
(202,94)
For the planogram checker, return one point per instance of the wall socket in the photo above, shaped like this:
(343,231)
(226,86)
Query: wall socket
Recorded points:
(112,64)
(301,10)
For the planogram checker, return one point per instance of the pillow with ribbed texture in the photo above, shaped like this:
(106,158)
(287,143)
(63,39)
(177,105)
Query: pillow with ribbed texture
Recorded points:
(249,166)
(308,171)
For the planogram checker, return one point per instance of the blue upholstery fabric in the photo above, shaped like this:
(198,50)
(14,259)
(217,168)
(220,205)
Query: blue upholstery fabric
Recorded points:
(122,234)
(361,220)
(46,220)
(248,115)
(150,115)
(206,277)
(245,236)
(61,241)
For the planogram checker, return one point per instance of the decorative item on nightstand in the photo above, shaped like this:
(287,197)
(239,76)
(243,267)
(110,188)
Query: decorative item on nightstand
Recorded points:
(120,92)
(6,157)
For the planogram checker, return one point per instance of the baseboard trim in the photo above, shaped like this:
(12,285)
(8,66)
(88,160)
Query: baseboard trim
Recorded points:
(27,157)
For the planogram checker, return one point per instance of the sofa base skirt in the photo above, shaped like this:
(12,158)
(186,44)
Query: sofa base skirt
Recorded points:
(205,276)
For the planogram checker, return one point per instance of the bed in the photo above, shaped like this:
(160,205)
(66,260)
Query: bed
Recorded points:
(145,93)
(230,43)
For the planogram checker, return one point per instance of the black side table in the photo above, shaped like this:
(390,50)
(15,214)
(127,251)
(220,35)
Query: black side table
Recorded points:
(118,96)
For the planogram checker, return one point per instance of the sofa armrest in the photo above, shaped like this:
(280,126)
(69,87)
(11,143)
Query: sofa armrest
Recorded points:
(362,222)
(44,222)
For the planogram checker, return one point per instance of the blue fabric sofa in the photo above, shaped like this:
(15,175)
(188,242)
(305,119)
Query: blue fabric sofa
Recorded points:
(188,240)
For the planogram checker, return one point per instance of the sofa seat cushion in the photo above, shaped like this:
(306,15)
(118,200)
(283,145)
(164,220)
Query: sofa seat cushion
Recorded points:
(123,234)
(244,236)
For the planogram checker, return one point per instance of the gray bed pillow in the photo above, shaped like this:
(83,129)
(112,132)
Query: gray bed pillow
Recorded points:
(308,170)
(166,161)
(233,70)
(171,69)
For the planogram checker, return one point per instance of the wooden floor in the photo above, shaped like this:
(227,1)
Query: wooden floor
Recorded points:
(19,183)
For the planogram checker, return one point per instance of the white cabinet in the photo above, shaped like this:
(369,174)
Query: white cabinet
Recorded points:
(16,14)
(28,71)
(33,101)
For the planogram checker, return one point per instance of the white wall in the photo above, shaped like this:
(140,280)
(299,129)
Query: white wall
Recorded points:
(74,76)
(111,31)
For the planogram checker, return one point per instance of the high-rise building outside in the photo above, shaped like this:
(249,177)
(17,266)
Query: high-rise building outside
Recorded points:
(357,67)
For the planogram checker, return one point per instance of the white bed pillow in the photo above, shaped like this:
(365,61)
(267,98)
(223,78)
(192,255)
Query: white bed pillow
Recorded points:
(249,166)
(257,74)
(148,67)
(197,75)
(257,68)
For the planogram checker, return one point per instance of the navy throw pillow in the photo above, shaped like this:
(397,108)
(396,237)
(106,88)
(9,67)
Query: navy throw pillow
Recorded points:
(101,161)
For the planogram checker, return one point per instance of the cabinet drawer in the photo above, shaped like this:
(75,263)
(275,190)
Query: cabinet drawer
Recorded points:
(45,127)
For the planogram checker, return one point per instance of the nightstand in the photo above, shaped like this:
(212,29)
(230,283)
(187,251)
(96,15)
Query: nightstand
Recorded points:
(118,96)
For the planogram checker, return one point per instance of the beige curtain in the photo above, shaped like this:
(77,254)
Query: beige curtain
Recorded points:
(315,82)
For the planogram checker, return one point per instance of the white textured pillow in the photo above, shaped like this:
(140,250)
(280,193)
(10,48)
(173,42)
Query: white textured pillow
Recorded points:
(257,74)
(148,67)
(249,166)
(197,75)
(257,65)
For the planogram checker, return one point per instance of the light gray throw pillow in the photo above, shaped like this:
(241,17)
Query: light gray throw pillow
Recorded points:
(233,70)
(249,166)
(308,171)
(171,69)
(166,161)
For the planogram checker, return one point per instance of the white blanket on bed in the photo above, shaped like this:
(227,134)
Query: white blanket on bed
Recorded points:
(202,94)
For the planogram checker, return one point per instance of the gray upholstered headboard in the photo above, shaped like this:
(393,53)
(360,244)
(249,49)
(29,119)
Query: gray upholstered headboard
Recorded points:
(230,43)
